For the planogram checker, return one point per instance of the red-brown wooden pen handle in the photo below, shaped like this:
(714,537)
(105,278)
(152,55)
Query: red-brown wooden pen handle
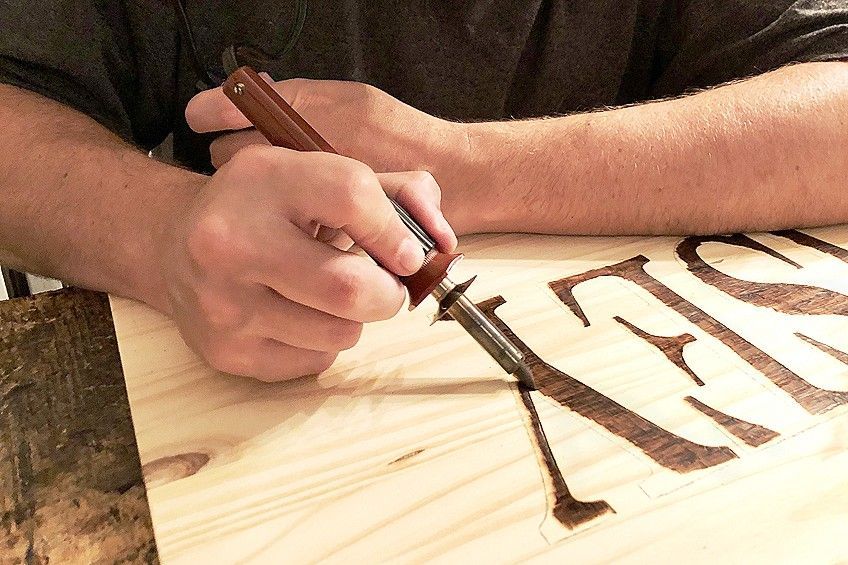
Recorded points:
(271,114)
(274,118)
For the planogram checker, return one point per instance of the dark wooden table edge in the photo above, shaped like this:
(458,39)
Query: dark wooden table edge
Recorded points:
(70,476)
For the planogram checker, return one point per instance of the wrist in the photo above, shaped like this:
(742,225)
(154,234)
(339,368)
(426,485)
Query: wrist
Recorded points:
(467,170)
(176,195)
(446,151)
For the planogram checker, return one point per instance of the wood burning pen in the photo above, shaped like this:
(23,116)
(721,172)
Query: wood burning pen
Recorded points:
(284,127)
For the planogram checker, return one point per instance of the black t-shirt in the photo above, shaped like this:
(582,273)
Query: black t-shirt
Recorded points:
(125,63)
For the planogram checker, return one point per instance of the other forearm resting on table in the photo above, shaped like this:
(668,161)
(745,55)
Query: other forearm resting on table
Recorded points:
(765,153)
(77,202)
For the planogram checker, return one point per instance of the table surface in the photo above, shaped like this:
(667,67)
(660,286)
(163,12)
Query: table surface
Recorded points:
(692,392)
(246,470)
(71,488)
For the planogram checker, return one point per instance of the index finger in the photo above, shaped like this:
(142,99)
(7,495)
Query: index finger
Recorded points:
(345,194)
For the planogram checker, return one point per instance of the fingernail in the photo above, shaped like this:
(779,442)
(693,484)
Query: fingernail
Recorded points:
(446,232)
(443,225)
(411,255)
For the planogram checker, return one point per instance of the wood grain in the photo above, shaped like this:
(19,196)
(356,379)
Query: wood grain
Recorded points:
(414,446)
(70,479)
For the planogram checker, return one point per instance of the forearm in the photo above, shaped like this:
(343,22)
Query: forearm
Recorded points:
(78,203)
(764,153)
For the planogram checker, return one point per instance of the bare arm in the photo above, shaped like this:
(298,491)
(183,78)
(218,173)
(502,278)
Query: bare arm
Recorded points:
(232,257)
(78,203)
(763,153)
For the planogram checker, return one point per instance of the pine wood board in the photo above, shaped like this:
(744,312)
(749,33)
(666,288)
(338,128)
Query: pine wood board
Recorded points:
(415,447)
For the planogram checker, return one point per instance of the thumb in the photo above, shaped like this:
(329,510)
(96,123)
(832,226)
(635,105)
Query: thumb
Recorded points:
(211,110)
(419,194)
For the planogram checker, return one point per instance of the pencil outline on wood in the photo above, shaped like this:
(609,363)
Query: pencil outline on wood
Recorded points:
(754,435)
(666,448)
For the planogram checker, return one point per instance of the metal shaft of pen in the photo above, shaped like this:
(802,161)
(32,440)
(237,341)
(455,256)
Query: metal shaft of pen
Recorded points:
(485,333)
(427,242)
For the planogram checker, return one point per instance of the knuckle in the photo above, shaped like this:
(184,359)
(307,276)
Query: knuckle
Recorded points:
(367,93)
(424,179)
(375,235)
(296,90)
(220,151)
(217,310)
(218,241)
(217,144)
(217,159)
(349,290)
(211,239)
(427,182)
(420,185)
(256,159)
(345,335)
(227,357)
(357,184)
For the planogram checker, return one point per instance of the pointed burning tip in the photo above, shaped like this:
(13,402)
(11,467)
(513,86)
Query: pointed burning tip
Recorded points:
(525,376)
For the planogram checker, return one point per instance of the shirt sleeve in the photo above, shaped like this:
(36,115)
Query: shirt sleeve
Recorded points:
(82,53)
(709,42)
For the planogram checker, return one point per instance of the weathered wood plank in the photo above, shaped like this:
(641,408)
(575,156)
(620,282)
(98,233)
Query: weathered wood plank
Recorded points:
(70,477)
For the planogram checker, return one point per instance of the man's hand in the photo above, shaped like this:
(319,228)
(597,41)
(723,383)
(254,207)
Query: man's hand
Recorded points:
(359,121)
(760,154)
(252,290)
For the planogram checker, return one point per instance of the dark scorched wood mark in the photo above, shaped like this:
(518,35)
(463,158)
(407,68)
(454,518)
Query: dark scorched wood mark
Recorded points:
(667,449)
(810,397)
(815,243)
(780,297)
(569,511)
(752,434)
(670,346)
